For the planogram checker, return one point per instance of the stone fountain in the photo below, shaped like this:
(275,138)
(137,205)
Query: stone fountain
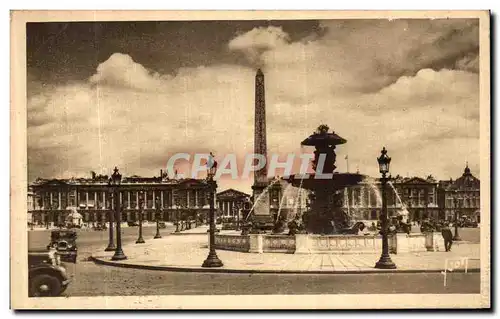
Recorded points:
(325,214)
(328,227)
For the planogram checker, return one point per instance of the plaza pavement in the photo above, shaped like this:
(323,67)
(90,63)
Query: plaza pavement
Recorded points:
(187,253)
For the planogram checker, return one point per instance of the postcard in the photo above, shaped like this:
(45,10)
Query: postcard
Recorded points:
(250,159)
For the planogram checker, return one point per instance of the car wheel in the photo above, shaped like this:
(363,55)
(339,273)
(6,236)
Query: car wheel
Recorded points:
(45,286)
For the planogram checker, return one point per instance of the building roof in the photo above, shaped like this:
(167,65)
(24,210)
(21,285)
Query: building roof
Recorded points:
(465,182)
(103,180)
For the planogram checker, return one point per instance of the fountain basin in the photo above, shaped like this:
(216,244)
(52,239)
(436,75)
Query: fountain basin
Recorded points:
(328,244)
(323,138)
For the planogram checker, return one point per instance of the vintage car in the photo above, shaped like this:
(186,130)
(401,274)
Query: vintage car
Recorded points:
(132,224)
(64,242)
(47,275)
(162,225)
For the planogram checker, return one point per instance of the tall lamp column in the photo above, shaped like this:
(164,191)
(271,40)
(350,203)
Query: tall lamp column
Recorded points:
(158,210)
(457,236)
(238,204)
(111,198)
(116,180)
(177,208)
(385,261)
(212,259)
(140,240)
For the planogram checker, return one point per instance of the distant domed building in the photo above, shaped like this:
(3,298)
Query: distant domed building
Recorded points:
(462,195)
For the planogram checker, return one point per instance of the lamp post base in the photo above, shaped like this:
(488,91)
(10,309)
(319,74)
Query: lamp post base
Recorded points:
(111,247)
(119,255)
(385,262)
(457,238)
(212,261)
(157,236)
(140,240)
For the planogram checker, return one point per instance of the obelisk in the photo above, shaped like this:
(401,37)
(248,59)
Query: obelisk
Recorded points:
(261,214)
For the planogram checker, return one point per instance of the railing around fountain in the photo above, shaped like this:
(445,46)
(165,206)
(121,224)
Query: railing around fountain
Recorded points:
(339,244)
(232,242)
(344,243)
(279,244)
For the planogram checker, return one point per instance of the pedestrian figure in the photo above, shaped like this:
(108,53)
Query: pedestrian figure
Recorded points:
(447,236)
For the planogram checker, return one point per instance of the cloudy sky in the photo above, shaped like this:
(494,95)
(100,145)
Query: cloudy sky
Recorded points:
(131,94)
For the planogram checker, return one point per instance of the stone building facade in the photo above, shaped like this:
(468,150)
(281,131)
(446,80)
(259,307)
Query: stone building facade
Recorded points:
(50,200)
(169,199)
(461,195)
(413,197)
(232,203)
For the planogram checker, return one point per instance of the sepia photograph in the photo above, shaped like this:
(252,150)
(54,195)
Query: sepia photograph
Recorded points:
(250,160)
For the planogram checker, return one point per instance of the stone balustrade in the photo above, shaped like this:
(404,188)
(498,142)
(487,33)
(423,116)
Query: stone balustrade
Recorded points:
(232,242)
(340,244)
(279,244)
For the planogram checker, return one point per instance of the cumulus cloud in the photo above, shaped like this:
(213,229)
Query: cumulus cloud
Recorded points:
(121,70)
(396,83)
(114,119)
(259,40)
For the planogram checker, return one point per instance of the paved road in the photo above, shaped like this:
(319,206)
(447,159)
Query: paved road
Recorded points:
(90,279)
(90,240)
(472,235)
(93,280)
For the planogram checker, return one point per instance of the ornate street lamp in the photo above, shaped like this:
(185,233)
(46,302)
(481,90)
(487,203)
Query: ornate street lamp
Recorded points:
(140,240)
(212,259)
(116,180)
(456,202)
(385,261)
(177,208)
(237,208)
(158,209)
(111,197)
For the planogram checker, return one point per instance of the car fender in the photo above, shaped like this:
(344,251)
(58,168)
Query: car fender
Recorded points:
(56,271)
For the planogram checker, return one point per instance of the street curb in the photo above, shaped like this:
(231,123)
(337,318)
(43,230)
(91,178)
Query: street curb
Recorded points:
(256,271)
